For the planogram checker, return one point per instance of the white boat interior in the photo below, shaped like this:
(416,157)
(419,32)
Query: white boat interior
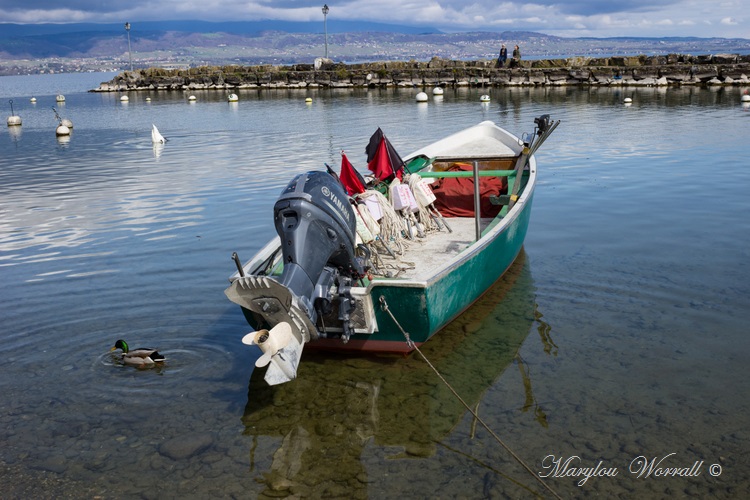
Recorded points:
(423,256)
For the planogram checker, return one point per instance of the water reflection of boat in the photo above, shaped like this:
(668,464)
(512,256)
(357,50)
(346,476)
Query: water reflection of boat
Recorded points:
(340,403)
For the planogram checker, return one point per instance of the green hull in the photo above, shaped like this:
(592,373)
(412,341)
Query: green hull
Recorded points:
(422,309)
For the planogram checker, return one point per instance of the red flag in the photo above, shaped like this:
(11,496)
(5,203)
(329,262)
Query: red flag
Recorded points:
(381,164)
(350,178)
(382,158)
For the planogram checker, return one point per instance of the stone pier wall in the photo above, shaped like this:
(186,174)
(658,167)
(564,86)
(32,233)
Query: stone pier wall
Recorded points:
(673,69)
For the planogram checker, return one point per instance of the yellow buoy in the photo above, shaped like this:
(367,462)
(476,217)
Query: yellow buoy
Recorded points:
(308,100)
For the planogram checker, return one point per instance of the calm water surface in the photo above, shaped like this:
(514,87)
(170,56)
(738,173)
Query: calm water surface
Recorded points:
(621,331)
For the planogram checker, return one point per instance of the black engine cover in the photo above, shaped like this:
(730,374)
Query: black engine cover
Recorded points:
(317,227)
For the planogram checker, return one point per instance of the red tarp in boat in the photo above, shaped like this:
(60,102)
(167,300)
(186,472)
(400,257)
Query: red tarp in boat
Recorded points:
(455,196)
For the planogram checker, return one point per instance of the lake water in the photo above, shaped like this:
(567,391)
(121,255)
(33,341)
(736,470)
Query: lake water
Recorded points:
(621,332)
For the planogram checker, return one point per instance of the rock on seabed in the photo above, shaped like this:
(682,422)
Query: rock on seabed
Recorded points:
(184,447)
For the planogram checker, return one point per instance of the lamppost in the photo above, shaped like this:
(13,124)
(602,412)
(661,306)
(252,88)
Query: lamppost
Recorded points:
(130,54)
(325,25)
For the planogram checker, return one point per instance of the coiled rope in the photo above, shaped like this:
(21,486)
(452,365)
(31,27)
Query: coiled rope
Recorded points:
(410,343)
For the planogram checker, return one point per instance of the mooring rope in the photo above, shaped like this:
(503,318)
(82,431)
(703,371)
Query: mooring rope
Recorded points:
(384,306)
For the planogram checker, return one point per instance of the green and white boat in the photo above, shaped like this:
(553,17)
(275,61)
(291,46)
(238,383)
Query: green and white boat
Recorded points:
(313,286)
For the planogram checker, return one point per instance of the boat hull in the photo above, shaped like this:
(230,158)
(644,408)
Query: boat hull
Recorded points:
(422,309)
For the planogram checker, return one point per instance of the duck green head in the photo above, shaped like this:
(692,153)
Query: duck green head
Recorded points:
(120,344)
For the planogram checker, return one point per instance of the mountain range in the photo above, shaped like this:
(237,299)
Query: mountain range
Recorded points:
(34,48)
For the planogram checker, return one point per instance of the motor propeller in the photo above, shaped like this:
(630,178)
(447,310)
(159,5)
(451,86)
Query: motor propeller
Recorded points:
(274,344)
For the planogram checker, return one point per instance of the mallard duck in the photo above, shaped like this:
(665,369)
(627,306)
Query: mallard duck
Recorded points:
(141,357)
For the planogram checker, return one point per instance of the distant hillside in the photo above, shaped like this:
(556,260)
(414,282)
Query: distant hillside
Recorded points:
(95,47)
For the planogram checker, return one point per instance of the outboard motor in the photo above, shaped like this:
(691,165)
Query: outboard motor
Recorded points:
(317,227)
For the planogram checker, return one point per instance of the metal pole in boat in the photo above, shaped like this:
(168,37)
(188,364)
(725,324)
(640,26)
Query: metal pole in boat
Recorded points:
(237,263)
(477,214)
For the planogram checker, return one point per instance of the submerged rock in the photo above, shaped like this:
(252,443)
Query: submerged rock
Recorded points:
(184,447)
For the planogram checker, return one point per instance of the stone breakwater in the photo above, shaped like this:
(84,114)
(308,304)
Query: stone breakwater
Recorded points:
(673,69)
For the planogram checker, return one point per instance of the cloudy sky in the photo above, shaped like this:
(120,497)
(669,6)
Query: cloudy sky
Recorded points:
(598,18)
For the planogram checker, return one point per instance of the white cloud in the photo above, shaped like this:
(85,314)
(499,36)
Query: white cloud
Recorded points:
(655,18)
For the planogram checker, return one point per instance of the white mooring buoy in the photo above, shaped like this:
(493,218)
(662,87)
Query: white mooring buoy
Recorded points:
(437,91)
(64,125)
(484,98)
(60,98)
(13,120)
(422,97)
(745,98)
(124,98)
(233,98)
(191,98)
